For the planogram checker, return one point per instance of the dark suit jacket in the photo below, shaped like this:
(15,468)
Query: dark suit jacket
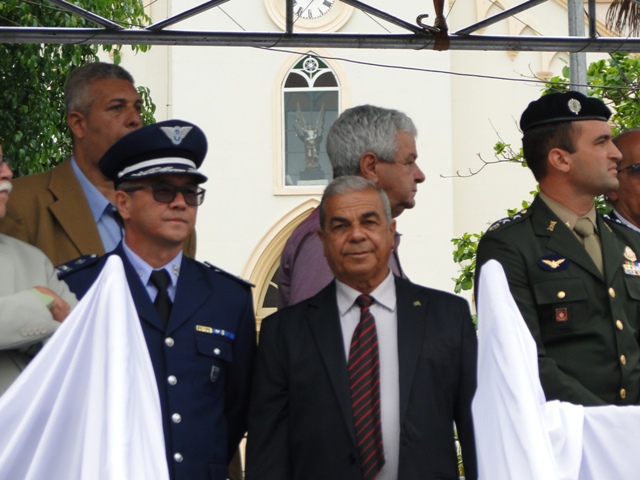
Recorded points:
(209,348)
(50,211)
(582,322)
(301,423)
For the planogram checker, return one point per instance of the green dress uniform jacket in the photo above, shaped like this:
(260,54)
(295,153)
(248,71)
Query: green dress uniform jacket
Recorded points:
(585,324)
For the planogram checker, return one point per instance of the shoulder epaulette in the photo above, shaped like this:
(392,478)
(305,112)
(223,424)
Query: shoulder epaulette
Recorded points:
(241,281)
(522,214)
(76,264)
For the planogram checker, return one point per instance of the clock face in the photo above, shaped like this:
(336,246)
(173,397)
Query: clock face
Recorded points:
(310,15)
(311,9)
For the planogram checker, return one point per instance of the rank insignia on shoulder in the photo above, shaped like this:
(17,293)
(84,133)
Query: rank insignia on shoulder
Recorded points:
(553,263)
(631,268)
(230,275)
(76,264)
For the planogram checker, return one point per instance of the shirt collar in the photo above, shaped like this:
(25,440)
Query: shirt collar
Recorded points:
(97,201)
(384,295)
(143,269)
(565,215)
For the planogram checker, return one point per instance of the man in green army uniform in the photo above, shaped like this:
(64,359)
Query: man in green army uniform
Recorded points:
(574,274)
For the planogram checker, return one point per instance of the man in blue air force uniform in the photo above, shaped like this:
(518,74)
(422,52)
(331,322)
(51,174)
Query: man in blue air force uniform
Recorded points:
(198,321)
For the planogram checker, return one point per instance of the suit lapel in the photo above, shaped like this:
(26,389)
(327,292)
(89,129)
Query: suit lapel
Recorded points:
(324,321)
(412,316)
(70,204)
(612,251)
(561,239)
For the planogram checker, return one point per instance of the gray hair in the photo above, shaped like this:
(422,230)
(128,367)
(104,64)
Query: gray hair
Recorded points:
(361,129)
(351,183)
(77,95)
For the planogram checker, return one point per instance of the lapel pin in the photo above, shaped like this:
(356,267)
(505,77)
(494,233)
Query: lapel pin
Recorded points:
(552,225)
(417,303)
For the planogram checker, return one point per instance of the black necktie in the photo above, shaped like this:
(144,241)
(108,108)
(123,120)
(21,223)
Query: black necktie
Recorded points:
(160,278)
(364,379)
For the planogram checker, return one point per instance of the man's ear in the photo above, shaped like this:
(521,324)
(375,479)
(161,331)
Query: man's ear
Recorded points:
(559,159)
(122,203)
(77,124)
(369,166)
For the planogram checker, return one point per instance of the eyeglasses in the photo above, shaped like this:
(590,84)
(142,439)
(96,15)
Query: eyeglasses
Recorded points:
(634,168)
(167,193)
(4,159)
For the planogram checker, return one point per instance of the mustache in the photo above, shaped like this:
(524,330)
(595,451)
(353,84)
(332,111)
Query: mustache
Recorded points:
(6,186)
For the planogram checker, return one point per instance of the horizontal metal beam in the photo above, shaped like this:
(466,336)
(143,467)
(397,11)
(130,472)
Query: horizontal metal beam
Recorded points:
(500,16)
(97,36)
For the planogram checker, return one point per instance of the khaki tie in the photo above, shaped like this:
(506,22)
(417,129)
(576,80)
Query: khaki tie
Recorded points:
(586,230)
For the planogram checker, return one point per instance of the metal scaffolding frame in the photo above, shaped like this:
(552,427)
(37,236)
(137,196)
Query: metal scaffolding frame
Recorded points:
(419,37)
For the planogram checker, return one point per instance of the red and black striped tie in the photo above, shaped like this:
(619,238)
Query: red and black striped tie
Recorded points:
(364,379)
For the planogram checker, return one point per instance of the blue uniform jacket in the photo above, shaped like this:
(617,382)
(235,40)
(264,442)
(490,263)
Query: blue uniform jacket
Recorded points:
(203,362)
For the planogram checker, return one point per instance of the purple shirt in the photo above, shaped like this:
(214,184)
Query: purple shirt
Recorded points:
(303,269)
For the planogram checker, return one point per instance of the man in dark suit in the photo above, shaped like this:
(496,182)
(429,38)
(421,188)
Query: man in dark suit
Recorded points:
(198,321)
(344,391)
(578,291)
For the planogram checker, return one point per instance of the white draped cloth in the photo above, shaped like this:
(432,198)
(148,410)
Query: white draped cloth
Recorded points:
(87,407)
(519,435)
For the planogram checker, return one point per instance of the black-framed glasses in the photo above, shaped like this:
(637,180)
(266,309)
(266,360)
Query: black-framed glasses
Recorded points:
(633,168)
(4,159)
(167,193)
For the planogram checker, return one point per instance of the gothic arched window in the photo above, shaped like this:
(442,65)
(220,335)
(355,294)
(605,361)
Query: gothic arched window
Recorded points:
(311,103)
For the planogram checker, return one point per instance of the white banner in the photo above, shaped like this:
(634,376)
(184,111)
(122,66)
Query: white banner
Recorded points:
(87,407)
(521,436)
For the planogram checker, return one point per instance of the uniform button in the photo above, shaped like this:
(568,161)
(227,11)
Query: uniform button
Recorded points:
(178,457)
(612,293)
(623,359)
(623,393)
(216,351)
(176,418)
(561,294)
(172,380)
(169,342)
(619,325)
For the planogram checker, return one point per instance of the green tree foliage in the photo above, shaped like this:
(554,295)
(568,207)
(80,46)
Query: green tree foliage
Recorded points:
(33,130)
(614,80)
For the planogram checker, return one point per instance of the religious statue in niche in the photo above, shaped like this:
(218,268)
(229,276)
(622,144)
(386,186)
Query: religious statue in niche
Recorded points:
(311,138)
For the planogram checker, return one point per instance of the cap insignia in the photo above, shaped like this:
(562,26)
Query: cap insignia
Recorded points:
(574,106)
(176,134)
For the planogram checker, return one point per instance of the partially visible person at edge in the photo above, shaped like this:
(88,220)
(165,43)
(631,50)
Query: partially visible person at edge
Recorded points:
(626,199)
(197,321)
(378,144)
(68,211)
(33,302)
(574,275)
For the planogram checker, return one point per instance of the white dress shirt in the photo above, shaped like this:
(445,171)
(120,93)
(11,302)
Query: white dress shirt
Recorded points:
(385,314)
